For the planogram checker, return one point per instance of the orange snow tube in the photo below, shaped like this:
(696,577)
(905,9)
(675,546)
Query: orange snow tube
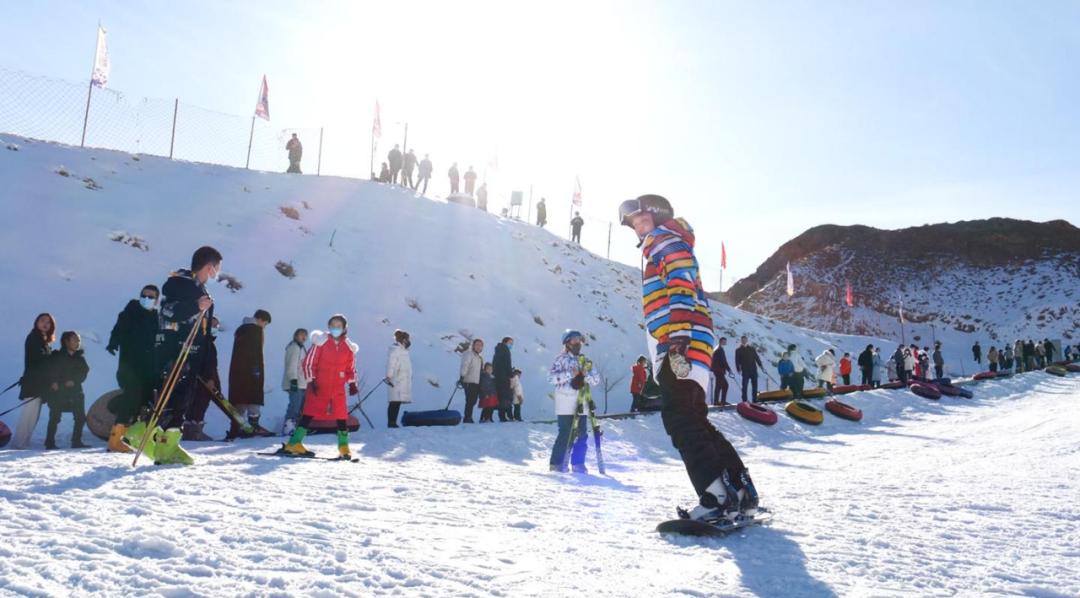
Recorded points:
(805,412)
(813,393)
(773,395)
(1057,370)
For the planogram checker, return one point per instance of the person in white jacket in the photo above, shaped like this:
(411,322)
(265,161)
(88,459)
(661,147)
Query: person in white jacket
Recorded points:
(573,376)
(826,363)
(398,376)
(472,363)
(518,392)
(293,381)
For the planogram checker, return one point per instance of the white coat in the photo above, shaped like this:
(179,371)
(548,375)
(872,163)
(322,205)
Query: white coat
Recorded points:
(294,356)
(471,365)
(826,363)
(515,387)
(399,371)
(561,373)
(909,362)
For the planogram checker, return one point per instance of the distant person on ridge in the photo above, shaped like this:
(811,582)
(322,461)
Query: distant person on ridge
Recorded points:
(541,213)
(575,228)
(424,174)
(481,197)
(470,181)
(410,164)
(976,352)
(384,174)
(455,178)
(296,151)
(394,158)
(679,332)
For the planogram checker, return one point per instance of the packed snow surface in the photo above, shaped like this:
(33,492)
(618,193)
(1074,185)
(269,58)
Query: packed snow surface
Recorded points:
(922,498)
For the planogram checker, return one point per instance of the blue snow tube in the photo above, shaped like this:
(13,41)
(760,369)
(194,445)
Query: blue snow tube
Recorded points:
(437,417)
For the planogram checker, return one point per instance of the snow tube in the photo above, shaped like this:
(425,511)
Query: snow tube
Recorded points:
(942,380)
(438,417)
(925,390)
(1057,370)
(843,410)
(985,375)
(805,412)
(947,389)
(1073,367)
(756,413)
(896,385)
(967,394)
(99,419)
(813,393)
(844,389)
(773,395)
(5,434)
(1004,373)
(330,425)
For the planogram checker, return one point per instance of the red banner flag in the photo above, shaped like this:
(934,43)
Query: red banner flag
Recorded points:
(849,298)
(577,191)
(262,107)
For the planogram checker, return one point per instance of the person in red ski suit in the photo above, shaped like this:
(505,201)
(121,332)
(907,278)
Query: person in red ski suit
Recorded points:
(329,367)
(637,382)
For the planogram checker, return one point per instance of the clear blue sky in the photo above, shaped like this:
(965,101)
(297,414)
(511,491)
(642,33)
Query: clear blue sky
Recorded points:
(758,120)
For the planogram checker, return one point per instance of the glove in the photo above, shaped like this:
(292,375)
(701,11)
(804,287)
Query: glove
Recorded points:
(461,383)
(294,385)
(388,382)
(353,390)
(111,349)
(314,388)
(678,345)
(578,381)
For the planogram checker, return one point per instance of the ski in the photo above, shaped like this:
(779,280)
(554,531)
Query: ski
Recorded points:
(315,457)
(231,412)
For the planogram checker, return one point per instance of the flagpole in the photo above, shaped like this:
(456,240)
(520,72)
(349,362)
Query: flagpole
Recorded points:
(90,88)
(251,138)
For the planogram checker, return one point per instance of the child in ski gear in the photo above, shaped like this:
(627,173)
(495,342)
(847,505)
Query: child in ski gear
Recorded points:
(34,380)
(133,335)
(247,372)
(573,376)
(186,310)
(679,331)
(785,368)
(398,376)
(293,381)
(472,365)
(639,375)
(519,394)
(845,368)
(67,370)
(489,399)
(329,367)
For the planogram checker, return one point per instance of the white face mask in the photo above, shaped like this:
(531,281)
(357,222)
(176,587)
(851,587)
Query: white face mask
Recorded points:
(147,302)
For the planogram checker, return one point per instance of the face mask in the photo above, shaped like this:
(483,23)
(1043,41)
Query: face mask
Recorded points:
(146,302)
(336,332)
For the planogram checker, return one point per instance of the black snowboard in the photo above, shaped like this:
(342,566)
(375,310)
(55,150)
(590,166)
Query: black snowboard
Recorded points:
(694,527)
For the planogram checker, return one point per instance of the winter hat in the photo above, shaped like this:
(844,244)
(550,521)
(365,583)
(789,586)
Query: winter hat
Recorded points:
(344,322)
(401,336)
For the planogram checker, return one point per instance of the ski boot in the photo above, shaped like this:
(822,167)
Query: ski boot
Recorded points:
(748,504)
(343,446)
(134,436)
(256,429)
(295,447)
(720,502)
(168,450)
(193,432)
(116,440)
(554,467)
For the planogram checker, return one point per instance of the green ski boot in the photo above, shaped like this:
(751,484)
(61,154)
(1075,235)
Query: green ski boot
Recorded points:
(168,450)
(134,438)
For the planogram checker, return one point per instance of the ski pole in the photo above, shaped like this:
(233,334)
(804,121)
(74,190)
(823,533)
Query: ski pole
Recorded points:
(451,398)
(361,402)
(13,385)
(167,388)
(21,404)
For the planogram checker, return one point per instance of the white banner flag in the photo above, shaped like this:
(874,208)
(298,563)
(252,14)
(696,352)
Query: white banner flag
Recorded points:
(100,76)
(790,281)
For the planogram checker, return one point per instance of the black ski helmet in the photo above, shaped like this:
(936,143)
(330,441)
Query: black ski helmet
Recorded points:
(656,205)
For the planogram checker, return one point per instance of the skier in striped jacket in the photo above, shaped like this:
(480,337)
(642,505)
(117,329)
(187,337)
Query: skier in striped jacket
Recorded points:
(679,332)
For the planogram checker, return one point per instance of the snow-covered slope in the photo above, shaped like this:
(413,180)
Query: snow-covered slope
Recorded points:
(948,498)
(385,258)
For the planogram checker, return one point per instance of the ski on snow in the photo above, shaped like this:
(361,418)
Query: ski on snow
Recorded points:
(283,454)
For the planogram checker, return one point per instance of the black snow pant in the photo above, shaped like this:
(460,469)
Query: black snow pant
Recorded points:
(517,412)
(394,174)
(392,411)
(704,450)
(847,379)
(748,378)
(506,400)
(575,236)
(867,375)
(719,395)
(472,394)
(183,392)
(938,371)
(78,410)
(425,180)
(137,394)
(406,179)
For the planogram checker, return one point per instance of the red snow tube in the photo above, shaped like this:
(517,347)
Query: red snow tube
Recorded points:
(330,425)
(1073,367)
(926,391)
(896,385)
(757,413)
(5,434)
(844,389)
(843,410)
(985,375)
(949,390)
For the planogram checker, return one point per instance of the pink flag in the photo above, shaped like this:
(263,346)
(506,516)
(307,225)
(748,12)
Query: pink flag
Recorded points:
(849,298)
(577,191)
(262,107)
(723,256)
(376,125)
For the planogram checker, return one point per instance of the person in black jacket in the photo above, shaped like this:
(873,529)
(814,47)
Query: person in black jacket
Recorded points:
(247,372)
(395,159)
(541,213)
(575,228)
(407,168)
(976,352)
(424,174)
(67,370)
(133,335)
(746,363)
(866,364)
(720,369)
(185,302)
(32,385)
(504,370)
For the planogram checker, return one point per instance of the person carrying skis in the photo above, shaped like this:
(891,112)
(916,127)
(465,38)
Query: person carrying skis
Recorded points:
(329,367)
(195,416)
(247,373)
(133,336)
(720,369)
(186,313)
(67,370)
(639,375)
(679,332)
(398,376)
(572,375)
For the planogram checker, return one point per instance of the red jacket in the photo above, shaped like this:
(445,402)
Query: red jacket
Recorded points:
(637,382)
(330,364)
(845,366)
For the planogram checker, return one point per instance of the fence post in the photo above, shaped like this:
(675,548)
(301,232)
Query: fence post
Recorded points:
(251,138)
(172,140)
(318,167)
(609,240)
